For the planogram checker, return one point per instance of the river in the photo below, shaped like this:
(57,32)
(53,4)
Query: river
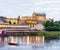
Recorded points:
(28,43)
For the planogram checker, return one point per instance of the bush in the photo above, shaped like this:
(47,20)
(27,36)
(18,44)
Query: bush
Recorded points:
(40,33)
(54,28)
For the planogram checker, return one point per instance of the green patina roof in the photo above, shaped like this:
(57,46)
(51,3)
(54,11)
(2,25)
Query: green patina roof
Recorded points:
(40,13)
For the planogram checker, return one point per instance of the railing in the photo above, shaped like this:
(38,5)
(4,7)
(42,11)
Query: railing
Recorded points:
(22,30)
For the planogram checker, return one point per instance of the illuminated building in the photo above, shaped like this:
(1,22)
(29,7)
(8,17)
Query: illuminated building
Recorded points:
(40,17)
(31,21)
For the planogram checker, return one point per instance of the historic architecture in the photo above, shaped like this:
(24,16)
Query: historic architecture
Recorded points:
(3,22)
(30,21)
(40,17)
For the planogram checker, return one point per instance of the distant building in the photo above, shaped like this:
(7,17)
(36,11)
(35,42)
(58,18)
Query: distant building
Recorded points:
(31,21)
(40,17)
(19,26)
(12,20)
(3,22)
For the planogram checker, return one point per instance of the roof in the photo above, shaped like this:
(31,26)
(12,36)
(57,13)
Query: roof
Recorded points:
(2,20)
(39,13)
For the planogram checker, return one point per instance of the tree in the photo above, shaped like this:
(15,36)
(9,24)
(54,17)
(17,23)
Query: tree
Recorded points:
(48,23)
(52,26)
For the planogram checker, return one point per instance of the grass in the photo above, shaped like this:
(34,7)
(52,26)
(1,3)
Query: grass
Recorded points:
(49,35)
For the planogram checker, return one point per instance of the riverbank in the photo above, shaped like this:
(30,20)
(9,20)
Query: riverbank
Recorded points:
(47,34)
(50,34)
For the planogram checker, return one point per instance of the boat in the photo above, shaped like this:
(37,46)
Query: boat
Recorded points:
(13,41)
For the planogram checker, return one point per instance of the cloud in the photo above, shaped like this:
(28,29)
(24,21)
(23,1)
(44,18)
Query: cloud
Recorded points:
(47,2)
(13,8)
(51,9)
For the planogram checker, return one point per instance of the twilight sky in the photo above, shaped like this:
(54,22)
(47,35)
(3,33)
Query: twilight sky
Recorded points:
(14,8)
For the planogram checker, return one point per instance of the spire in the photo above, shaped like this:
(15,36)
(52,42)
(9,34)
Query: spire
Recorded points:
(18,20)
(18,17)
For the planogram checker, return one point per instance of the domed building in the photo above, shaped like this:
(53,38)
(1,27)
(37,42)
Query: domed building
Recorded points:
(40,16)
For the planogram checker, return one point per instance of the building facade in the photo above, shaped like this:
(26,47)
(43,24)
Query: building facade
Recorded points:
(40,17)
(31,21)
(34,21)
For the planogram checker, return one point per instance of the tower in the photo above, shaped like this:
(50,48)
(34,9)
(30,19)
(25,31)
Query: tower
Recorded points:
(18,20)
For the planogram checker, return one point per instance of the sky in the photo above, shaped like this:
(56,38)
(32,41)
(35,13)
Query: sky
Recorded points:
(15,8)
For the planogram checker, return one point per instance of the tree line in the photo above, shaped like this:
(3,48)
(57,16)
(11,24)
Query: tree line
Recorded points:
(52,25)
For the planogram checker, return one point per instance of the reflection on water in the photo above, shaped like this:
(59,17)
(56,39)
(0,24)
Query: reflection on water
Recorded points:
(13,39)
(2,41)
(28,43)
(33,41)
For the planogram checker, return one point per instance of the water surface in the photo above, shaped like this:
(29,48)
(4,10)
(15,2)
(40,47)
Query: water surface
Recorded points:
(28,43)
